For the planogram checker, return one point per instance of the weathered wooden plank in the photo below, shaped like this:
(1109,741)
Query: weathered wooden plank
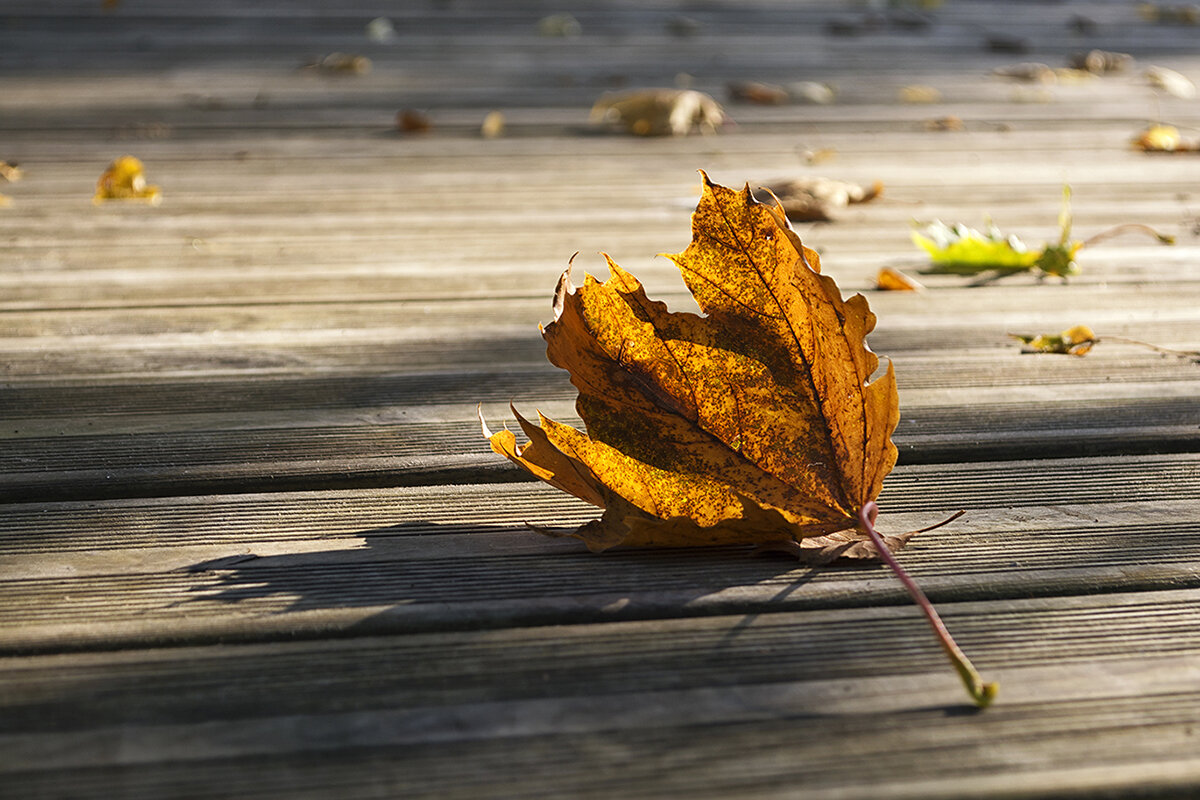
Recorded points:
(441,669)
(785,704)
(298,453)
(952,315)
(310,565)
(206,390)
(755,35)
(980,356)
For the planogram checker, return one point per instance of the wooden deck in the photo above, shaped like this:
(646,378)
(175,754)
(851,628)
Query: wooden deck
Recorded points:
(252,543)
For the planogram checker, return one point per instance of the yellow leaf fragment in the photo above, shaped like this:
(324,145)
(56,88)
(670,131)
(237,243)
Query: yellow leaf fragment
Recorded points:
(10,172)
(1074,341)
(890,279)
(1159,138)
(754,423)
(659,112)
(964,250)
(125,180)
(960,248)
(493,125)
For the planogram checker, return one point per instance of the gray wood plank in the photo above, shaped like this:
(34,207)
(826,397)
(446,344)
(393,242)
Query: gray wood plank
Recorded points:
(253,567)
(787,704)
(297,453)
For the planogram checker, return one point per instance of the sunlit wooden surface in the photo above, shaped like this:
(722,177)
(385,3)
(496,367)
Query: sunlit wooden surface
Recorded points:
(252,543)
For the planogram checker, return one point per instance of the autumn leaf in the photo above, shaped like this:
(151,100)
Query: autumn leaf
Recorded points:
(1074,341)
(817,199)
(659,112)
(757,422)
(1160,138)
(1078,340)
(890,279)
(962,250)
(125,179)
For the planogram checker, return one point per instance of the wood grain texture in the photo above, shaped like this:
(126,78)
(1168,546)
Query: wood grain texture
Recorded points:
(251,541)
(320,564)
(705,707)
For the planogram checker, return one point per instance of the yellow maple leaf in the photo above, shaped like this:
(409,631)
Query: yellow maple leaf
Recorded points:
(757,422)
(754,423)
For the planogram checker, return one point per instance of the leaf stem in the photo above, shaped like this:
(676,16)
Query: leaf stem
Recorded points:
(1164,350)
(982,693)
(1128,227)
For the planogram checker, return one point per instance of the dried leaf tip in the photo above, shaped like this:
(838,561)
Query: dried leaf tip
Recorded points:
(563,288)
(487,433)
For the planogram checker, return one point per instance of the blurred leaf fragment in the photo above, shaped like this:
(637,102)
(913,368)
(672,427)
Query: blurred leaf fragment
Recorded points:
(966,251)
(10,172)
(1026,72)
(559,26)
(125,179)
(493,125)
(380,29)
(1074,341)
(340,64)
(659,112)
(1159,138)
(890,279)
(762,94)
(918,94)
(818,199)
(1171,82)
(410,120)
(1100,62)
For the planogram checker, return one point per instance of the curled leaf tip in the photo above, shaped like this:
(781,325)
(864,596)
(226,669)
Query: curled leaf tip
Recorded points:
(563,288)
